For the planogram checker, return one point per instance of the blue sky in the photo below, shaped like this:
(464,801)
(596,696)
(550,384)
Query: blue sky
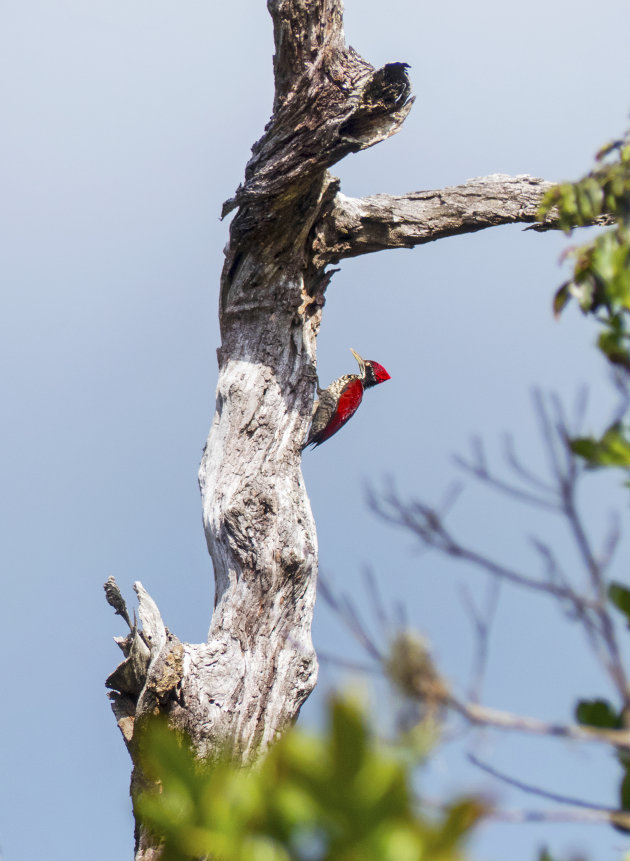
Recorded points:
(125,126)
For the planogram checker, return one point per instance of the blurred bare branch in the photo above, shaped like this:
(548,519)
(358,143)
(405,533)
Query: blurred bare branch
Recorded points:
(406,658)
(608,815)
(377,602)
(610,543)
(482,623)
(477,466)
(487,717)
(587,604)
(352,666)
(348,614)
(532,790)
(620,380)
(427,524)
(586,812)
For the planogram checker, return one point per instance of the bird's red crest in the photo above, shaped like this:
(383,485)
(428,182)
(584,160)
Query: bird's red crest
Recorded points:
(380,374)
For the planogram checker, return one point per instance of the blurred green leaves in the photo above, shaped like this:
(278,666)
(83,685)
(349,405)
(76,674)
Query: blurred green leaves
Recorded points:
(600,282)
(597,713)
(613,449)
(619,595)
(337,796)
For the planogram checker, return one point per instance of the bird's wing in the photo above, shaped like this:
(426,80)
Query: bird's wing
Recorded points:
(335,412)
(322,413)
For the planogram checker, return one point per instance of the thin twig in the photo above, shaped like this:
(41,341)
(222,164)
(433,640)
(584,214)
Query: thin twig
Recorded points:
(553,570)
(378,605)
(610,543)
(549,437)
(591,609)
(482,623)
(355,624)
(483,716)
(620,380)
(607,647)
(348,614)
(586,816)
(579,411)
(530,788)
(346,664)
(427,524)
(478,468)
(521,470)
(594,817)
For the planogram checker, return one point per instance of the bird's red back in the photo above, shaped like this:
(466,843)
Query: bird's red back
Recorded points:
(349,402)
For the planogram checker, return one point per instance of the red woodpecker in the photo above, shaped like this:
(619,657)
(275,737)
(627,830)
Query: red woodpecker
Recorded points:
(340,401)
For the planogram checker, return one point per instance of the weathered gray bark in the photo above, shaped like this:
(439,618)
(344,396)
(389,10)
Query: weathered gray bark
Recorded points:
(248,681)
(360,226)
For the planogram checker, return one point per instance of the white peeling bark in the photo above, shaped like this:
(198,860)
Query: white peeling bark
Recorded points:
(260,530)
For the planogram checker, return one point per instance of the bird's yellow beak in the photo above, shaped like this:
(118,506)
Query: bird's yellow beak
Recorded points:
(358,358)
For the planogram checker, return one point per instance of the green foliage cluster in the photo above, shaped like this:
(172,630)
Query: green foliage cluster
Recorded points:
(613,449)
(602,714)
(339,796)
(600,281)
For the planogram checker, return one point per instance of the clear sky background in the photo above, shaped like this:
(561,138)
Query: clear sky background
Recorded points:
(124,127)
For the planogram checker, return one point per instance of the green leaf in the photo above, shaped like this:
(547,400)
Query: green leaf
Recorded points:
(399,842)
(613,345)
(607,149)
(589,199)
(461,817)
(619,595)
(348,738)
(624,792)
(561,299)
(340,795)
(585,447)
(597,713)
(600,280)
(613,449)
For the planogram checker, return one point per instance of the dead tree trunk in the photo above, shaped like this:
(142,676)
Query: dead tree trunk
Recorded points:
(248,681)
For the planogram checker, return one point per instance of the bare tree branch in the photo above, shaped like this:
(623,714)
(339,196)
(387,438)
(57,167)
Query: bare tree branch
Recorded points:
(519,469)
(589,607)
(531,789)
(378,604)
(346,664)
(605,815)
(427,524)
(483,716)
(477,466)
(563,463)
(354,226)
(482,622)
(348,614)
(595,815)
(554,572)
